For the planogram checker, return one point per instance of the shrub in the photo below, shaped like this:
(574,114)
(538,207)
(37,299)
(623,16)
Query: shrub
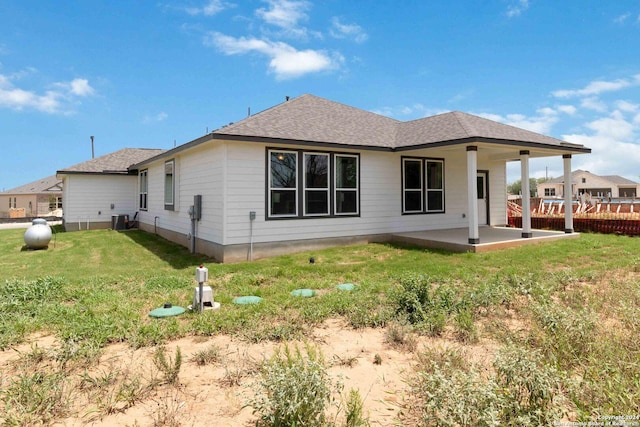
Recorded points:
(294,389)
(168,366)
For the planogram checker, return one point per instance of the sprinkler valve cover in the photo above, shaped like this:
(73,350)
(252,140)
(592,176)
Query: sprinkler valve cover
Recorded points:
(202,274)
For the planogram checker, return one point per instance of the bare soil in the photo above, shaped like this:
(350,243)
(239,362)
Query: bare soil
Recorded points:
(217,394)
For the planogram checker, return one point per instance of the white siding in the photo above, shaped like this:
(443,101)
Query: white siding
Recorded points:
(231,178)
(88,198)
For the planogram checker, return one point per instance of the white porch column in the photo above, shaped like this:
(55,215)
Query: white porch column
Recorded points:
(526,194)
(472,188)
(568,197)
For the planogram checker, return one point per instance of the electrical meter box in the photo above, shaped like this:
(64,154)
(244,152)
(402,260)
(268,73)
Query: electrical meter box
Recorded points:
(202,274)
(197,207)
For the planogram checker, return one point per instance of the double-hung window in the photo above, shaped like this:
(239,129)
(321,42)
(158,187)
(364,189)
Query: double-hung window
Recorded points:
(143,189)
(316,184)
(346,184)
(422,185)
(283,183)
(169,185)
(303,184)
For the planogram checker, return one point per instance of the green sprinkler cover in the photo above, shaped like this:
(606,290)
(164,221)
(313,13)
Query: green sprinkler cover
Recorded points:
(167,310)
(248,299)
(303,293)
(346,286)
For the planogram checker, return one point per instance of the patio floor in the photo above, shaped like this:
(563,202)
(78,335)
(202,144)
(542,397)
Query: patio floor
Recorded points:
(491,238)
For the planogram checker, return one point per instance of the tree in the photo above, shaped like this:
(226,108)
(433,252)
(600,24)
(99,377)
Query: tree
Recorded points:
(516,187)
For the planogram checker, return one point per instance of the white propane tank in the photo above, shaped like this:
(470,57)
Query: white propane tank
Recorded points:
(38,235)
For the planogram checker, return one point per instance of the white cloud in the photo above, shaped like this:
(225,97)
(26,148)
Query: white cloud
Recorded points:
(284,13)
(622,18)
(598,86)
(593,103)
(161,116)
(351,31)
(52,101)
(517,7)
(213,7)
(627,106)
(285,61)
(567,109)
(541,123)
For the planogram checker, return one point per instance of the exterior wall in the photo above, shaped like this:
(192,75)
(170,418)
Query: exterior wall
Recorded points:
(231,178)
(87,200)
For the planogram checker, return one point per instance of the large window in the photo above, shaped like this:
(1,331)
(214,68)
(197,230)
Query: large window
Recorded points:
(169,185)
(311,184)
(422,185)
(144,187)
(549,191)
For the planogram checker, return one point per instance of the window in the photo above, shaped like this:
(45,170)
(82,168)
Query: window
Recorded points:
(311,184)
(549,192)
(283,183)
(584,180)
(422,185)
(316,184)
(169,185)
(346,184)
(143,190)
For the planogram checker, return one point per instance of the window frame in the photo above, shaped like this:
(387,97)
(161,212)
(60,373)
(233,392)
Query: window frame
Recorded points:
(425,185)
(143,191)
(549,192)
(271,188)
(170,205)
(306,189)
(301,189)
(337,189)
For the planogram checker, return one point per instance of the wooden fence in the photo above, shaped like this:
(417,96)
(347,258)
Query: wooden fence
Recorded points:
(628,227)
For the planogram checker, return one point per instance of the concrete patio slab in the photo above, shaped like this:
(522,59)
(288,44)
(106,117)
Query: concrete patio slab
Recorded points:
(491,238)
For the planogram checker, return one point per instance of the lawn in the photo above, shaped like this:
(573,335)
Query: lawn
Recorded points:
(563,317)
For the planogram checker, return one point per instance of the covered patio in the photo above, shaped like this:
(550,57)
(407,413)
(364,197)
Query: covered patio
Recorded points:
(491,238)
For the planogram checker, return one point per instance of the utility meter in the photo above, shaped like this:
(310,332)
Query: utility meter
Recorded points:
(202,274)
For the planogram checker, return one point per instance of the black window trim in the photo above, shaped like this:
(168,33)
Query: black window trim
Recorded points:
(424,161)
(300,190)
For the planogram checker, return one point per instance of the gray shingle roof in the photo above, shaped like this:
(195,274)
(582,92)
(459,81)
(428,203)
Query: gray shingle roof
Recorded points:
(614,179)
(117,162)
(313,119)
(50,184)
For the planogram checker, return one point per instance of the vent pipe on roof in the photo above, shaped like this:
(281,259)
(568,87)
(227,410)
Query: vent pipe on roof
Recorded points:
(93,155)
(286,98)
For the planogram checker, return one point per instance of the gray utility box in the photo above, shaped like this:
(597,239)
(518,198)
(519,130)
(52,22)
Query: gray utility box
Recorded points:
(119,222)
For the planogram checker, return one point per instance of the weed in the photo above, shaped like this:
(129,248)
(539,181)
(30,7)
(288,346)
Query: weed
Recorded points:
(169,410)
(167,365)
(349,361)
(466,330)
(400,336)
(355,412)
(294,389)
(377,359)
(211,354)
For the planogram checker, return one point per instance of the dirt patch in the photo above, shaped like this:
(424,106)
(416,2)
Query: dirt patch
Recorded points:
(216,393)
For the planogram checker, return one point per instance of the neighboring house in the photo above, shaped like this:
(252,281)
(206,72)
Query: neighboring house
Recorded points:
(99,188)
(38,198)
(597,186)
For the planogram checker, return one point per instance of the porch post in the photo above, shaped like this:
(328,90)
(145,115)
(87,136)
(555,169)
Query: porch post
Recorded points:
(568,197)
(472,188)
(526,194)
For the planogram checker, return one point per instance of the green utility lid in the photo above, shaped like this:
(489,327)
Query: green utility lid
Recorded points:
(248,299)
(303,293)
(167,310)
(346,286)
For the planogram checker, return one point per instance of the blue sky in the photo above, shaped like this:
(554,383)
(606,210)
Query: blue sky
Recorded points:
(155,73)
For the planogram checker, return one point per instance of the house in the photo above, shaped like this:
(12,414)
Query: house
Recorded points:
(312,173)
(98,189)
(585,182)
(35,199)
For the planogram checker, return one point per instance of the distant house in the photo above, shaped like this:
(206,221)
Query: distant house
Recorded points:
(38,198)
(99,188)
(312,173)
(586,182)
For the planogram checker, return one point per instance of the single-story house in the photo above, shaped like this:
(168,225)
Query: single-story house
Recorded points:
(312,173)
(585,182)
(98,189)
(38,198)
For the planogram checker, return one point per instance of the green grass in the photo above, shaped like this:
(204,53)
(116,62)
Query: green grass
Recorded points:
(577,299)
